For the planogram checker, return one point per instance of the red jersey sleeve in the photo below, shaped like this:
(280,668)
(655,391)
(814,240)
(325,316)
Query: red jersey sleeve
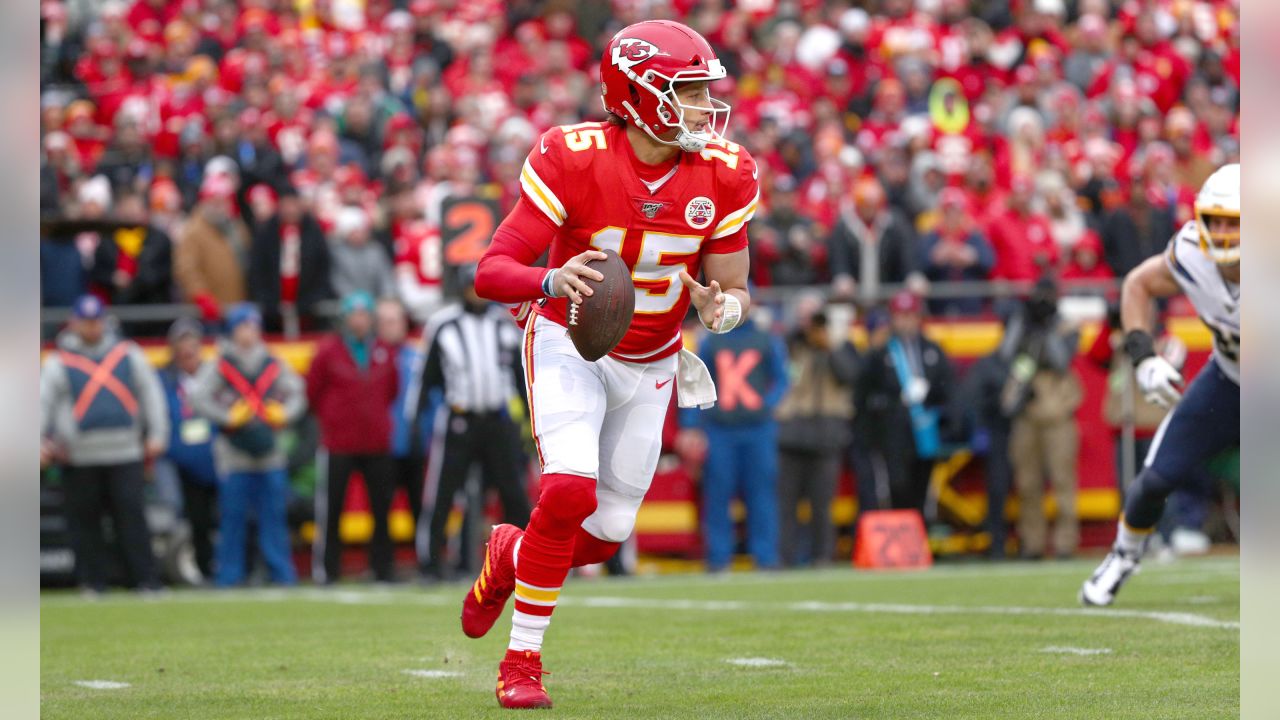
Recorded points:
(740,188)
(542,179)
(505,273)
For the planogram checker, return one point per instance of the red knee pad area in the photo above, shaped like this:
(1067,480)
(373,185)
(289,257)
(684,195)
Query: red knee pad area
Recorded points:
(568,499)
(589,549)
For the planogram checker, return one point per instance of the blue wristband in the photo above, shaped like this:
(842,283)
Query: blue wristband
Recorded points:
(548,281)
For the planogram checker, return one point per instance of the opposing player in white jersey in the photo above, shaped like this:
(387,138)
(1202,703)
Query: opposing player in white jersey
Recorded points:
(1203,261)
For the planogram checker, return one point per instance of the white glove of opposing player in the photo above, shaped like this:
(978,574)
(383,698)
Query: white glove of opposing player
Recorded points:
(1158,380)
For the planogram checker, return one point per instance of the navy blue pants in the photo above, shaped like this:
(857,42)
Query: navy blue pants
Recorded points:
(1205,423)
(265,493)
(741,461)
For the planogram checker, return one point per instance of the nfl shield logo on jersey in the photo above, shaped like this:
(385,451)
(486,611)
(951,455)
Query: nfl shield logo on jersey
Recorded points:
(698,212)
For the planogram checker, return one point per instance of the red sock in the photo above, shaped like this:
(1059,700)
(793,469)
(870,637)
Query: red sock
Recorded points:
(589,549)
(545,554)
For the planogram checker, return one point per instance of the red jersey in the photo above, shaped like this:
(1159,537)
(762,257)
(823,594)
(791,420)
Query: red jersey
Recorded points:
(417,246)
(583,184)
(1024,246)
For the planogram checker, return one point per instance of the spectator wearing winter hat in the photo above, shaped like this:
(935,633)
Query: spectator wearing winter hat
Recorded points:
(191,439)
(102,414)
(871,244)
(358,263)
(1085,260)
(900,392)
(289,263)
(955,251)
(211,258)
(251,396)
(352,385)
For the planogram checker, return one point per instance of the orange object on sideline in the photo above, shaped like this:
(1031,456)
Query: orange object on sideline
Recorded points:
(891,539)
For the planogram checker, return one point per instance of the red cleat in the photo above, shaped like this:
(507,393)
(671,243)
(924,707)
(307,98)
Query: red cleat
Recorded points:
(520,681)
(484,603)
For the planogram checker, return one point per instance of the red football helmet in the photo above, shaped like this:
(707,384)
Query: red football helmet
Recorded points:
(639,72)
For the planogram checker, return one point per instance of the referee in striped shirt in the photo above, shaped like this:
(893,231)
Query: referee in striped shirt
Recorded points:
(474,356)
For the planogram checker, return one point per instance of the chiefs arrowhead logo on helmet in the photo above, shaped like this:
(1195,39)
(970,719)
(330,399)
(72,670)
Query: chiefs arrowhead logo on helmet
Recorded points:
(640,70)
(633,51)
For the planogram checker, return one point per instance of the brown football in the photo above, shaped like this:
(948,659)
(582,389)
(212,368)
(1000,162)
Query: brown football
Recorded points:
(597,325)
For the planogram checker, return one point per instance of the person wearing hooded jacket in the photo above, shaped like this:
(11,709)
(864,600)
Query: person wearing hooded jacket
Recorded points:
(251,396)
(351,385)
(102,415)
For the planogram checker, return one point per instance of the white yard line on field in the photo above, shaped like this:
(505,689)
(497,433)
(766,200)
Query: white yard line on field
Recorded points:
(432,673)
(1062,650)
(1172,618)
(757,662)
(101,684)
(1192,570)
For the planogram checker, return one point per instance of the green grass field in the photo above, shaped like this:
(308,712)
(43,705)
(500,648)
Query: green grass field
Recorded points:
(971,641)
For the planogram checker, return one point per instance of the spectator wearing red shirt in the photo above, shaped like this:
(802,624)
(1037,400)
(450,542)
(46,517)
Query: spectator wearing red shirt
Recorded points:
(148,17)
(88,138)
(886,114)
(1021,237)
(1085,261)
(351,386)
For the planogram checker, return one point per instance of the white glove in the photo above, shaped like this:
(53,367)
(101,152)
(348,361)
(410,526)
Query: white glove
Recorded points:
(1158,380)
(916,391)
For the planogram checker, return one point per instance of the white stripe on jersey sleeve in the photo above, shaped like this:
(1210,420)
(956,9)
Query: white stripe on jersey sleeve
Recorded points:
(736,219)
(537,191)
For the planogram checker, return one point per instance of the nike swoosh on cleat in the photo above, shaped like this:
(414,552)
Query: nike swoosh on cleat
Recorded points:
(543,144)
(659,385)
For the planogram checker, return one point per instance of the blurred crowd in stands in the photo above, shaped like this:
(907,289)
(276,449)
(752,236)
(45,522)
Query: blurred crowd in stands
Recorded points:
(289,152)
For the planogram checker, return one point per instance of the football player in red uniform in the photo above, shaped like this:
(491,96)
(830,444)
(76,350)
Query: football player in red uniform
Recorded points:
(659,184)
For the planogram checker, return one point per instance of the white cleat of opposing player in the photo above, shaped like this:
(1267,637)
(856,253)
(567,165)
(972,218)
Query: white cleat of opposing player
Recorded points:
(1101,587)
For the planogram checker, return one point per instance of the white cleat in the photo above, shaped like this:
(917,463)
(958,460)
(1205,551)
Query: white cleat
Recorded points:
(1101,587)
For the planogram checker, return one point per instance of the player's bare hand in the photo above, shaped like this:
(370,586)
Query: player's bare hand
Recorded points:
(569,277)
(707,299)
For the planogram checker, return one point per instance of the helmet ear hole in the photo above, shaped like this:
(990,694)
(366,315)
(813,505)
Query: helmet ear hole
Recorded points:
(635,94)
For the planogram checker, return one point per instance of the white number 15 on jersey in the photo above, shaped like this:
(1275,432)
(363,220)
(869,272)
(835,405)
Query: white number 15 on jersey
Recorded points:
(662,257)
